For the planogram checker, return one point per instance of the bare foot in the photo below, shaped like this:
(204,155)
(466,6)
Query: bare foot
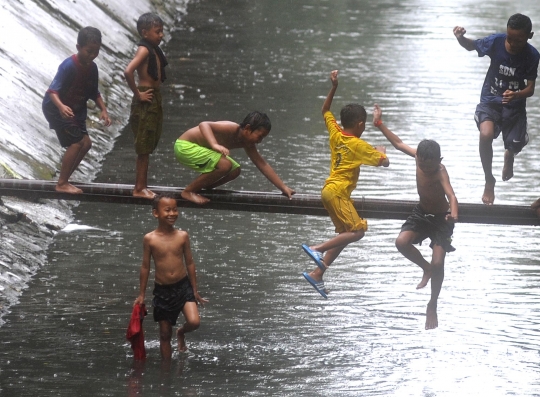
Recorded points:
(508,169)
(194,197)
(425,279)
(431,316)
(144,193)
(181,340)
(489,193)
(536,207)
(67,188)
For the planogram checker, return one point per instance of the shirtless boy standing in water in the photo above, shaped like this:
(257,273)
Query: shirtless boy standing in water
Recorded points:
(175,288)
(432,217)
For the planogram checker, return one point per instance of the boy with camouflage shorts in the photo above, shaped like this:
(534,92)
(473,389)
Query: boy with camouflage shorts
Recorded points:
(146,112)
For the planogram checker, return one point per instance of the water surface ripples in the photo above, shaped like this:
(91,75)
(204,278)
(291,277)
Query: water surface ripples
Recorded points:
(266,331)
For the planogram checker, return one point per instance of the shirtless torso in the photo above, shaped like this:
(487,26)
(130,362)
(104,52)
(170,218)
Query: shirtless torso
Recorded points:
(431,190)
(168,250)
(145,80)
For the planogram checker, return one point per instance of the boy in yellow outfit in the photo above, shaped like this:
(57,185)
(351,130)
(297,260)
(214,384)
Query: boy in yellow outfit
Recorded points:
(348,153)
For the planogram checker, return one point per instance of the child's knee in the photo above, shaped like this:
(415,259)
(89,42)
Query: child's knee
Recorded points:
(403,245)
(85,143)
(486,133)
(88,144)
(224,165)
(194,323)
(437,268)
(235,173)
(358,234)
(437,263)
(165,335)
(192,317)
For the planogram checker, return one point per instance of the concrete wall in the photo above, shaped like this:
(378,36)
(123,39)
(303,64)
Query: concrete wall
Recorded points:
(35,37)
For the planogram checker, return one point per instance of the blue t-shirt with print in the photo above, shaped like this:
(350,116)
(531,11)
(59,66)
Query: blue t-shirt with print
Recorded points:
(506,71)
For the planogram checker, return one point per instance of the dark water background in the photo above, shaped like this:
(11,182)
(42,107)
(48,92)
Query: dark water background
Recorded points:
(266,331)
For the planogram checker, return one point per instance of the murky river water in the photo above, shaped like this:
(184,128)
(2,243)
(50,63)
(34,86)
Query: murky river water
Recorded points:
(266,331)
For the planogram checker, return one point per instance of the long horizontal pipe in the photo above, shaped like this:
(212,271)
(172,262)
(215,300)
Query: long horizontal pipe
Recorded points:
(304,204)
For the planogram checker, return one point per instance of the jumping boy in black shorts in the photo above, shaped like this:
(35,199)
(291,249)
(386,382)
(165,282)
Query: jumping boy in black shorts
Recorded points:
(175,288)
(432,217)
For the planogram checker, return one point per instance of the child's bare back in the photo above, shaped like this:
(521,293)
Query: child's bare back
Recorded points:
(144,77)
(215,135)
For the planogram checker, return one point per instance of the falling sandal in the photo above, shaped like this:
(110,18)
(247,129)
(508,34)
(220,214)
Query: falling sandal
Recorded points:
(318,285)
(316,256)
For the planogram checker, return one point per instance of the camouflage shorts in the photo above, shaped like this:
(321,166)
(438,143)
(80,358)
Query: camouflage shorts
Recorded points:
(146,121)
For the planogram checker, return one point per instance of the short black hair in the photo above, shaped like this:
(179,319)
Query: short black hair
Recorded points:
(520,22)
(428,149)
(352,114)
(158,197)
(148,21)
(88,35)
(257,120)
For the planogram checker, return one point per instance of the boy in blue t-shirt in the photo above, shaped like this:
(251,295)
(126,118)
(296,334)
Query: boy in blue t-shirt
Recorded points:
(64,104)
(509,81)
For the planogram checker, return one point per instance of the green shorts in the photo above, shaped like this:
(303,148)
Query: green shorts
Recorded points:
(198,158)
(146,121)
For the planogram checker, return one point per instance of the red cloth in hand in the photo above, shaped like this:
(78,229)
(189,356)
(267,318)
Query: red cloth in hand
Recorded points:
(135,332)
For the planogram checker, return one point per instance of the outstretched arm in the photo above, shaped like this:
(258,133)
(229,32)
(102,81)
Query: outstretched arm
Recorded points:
(466,43)
(328,101)
(268,171)
(393,138)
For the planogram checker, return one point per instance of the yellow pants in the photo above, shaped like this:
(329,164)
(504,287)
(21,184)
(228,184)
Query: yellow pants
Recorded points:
(342,212)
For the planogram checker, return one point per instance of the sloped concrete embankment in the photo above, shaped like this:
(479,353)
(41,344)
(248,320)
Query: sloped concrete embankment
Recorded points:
(35,37)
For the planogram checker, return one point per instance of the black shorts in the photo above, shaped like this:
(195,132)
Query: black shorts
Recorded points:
(436,227)
(169,300)
(70,135)
(511,121)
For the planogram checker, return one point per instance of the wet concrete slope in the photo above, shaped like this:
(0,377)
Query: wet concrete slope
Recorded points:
(35,37)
